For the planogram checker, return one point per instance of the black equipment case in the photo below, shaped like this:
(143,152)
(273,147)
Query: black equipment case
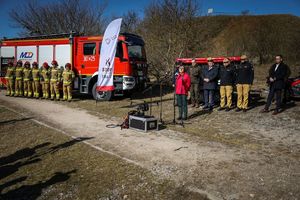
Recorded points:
(143,123)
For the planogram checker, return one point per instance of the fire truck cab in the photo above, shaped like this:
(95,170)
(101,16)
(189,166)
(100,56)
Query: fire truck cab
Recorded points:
(83,52)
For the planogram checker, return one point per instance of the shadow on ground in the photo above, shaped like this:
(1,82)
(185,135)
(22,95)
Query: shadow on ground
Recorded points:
(35,190)
(14,120)
(27,156)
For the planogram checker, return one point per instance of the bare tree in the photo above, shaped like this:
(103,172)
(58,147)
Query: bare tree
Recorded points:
(60,17)
(130,22)
(168,29)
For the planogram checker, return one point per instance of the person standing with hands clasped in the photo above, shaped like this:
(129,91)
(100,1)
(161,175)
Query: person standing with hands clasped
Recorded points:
(195,74)
(9,76)
(210,75)
(35,80)
(19,79)
(68,78)
(244,80)
(226,81)
(277,75)
(54,80)
(182,87)
(45,80)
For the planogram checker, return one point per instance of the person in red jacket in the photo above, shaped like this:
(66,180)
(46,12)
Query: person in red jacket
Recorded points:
(182,87)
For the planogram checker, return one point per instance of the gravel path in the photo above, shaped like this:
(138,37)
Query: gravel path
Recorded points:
(216,169)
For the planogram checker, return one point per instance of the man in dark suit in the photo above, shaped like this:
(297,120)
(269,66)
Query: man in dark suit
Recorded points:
(277,77)
(210,75)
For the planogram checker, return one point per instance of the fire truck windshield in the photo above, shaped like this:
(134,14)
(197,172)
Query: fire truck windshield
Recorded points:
(136,52)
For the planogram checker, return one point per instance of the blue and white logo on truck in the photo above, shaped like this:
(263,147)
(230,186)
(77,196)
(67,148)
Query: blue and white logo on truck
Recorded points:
(26,55)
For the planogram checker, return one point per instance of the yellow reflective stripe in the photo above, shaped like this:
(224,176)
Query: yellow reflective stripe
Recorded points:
(36,79)
(19,78)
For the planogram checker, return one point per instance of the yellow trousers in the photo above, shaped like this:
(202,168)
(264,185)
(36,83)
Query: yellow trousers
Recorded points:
(45,89)
(36,89)
(67,89)
(243,95)
(226,96)
(18,87)
(27,88)
(10,91)
(54,90)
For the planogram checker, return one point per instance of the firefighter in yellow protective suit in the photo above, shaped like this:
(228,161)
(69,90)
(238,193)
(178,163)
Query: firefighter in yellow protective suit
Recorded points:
(19,79)
(68,77)
(27,79)
(55,80)
(45,80)
(9,76)
(35,80)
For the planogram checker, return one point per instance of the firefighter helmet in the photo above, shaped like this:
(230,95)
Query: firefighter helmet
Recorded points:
(68,65)
(27,63)
(45,64)
(34,64)
(20,62)
(10,63)
(54,62)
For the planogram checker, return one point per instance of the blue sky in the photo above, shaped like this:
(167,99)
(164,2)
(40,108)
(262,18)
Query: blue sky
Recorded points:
(118,7)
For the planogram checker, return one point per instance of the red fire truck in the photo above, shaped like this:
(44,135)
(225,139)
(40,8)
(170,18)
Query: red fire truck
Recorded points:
(130,70)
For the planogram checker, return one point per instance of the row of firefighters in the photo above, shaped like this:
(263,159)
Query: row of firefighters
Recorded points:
(27,81)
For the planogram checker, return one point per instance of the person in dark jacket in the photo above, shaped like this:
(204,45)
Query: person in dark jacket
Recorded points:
(195,74)
(277,77)
(244,80)
(209,75)
(227,75)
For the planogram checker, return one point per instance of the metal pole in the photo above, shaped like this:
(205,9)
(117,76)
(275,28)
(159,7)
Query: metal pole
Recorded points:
(160,114)
(174,101)
(151,101)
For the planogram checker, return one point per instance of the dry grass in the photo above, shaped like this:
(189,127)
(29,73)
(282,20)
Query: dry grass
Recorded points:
(38,162)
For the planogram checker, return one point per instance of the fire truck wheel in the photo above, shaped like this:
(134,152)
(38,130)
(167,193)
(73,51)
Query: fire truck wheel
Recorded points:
(101,96)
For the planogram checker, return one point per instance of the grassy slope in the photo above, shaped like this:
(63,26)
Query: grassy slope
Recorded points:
(235,35)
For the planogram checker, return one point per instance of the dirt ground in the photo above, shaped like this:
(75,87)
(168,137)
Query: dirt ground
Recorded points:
(219,155)
(39,162)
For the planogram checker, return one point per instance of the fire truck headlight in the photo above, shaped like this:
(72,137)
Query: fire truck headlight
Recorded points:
(128,82)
